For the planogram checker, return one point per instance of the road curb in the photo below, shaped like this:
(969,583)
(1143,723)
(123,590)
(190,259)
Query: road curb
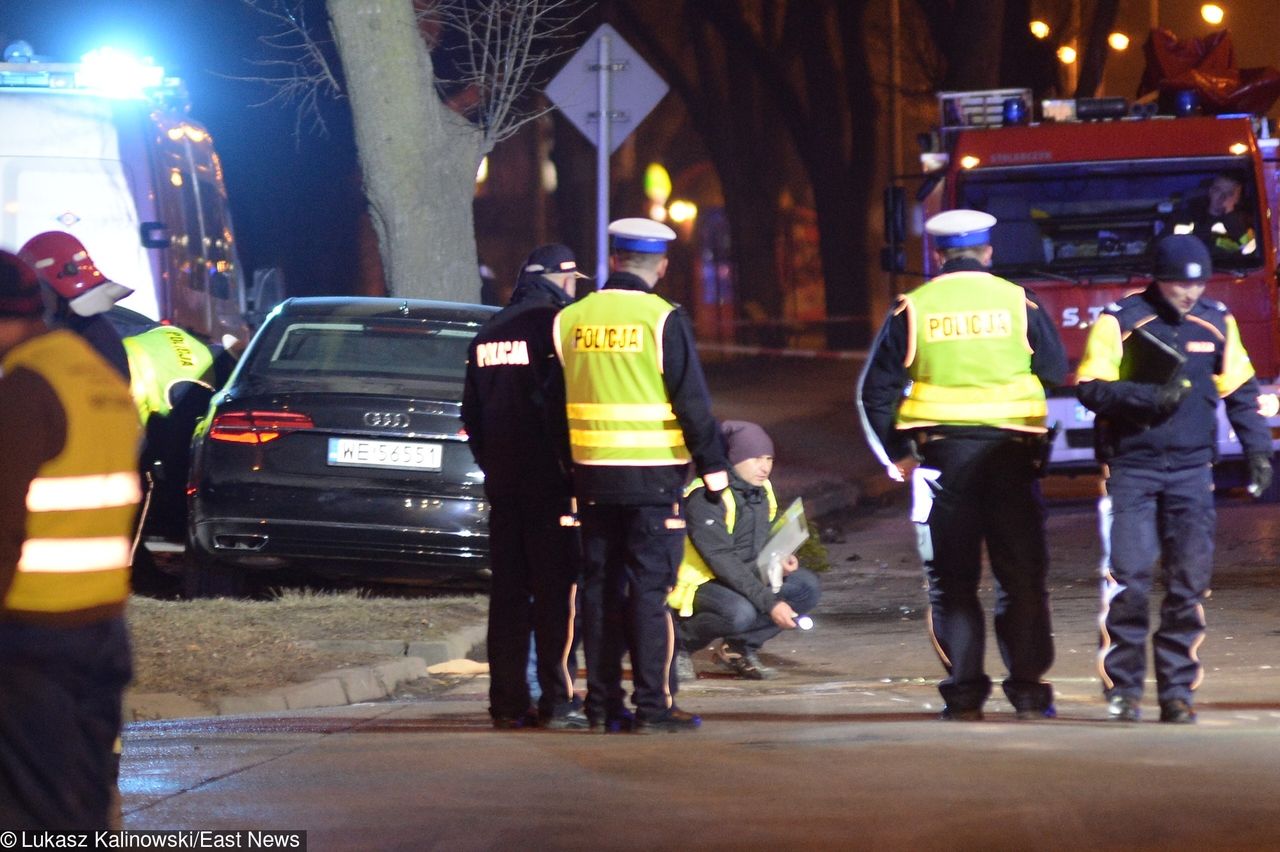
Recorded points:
(339,687)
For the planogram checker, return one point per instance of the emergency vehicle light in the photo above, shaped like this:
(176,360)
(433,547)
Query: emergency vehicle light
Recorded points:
(116,73)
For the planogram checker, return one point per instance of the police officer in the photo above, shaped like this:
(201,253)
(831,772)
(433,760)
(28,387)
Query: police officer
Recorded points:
(172,378)
(68,494)
(1157,443)
(638,412)
(513,410)
(81,294)
(976,352)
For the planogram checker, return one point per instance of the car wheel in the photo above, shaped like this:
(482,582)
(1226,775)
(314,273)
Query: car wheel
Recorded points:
(205,576)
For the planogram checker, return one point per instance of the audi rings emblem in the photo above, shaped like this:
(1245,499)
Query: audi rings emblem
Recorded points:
(393,419)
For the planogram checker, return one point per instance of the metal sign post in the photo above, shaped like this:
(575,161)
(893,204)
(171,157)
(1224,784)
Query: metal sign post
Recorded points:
(603,87)
(603,149)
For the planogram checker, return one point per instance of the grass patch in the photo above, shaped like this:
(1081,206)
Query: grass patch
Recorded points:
(205,649)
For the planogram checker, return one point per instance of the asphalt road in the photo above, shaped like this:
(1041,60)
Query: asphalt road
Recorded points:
(841,750)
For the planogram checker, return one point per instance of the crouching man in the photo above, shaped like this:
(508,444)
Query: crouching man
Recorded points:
(720,594)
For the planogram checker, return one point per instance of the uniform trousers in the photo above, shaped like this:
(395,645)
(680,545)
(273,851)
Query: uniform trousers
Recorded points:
(535,565)
(721,613)
(630,558)
(1164,516)
(971,489)
(61,692)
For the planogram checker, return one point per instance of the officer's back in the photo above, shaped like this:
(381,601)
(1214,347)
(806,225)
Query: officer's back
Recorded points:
(513,403)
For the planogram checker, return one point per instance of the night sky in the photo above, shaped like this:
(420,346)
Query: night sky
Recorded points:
(294,198)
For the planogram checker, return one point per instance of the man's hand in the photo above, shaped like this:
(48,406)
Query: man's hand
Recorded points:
(1259,473)
(790,564)
(1171,394)
(715,483)
(900,470)
(783,615)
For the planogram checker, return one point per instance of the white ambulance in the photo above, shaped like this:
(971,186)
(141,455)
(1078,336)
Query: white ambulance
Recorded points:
(104,150)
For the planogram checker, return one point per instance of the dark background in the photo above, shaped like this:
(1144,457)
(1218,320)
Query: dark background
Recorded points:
(295,195)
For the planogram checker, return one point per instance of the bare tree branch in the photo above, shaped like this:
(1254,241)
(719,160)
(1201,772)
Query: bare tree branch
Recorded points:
(305,73)
(505,44)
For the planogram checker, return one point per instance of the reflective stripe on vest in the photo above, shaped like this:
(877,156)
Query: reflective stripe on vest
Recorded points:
(693,568)
(81,503)
(610,345)
(969,358)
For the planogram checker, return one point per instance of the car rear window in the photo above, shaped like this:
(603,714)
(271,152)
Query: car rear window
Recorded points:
(374,348)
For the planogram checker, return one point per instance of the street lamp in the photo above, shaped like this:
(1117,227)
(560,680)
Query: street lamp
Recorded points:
(1118,41)
(1066,54)
(683,211)
(1212,13)
(1040,29)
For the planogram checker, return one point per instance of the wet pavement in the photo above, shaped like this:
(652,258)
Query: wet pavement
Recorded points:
(841,750)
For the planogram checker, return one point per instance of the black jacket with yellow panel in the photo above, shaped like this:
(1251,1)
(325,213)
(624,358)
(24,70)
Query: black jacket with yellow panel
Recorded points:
(1131,428)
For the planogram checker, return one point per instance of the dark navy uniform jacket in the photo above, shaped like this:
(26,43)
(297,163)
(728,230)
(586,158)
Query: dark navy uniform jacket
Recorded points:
(513,401)
(1129,430)
(645,485)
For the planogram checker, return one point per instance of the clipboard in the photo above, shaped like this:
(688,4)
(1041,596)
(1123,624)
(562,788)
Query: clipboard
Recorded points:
(790,530)
(1148,359)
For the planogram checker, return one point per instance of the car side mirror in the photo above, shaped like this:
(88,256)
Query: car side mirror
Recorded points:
(155,235)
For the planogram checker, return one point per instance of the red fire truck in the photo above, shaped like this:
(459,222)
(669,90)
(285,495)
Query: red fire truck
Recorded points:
(1079,200)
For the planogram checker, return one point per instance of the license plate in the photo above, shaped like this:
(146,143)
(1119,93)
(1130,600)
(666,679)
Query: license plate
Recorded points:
(354,452)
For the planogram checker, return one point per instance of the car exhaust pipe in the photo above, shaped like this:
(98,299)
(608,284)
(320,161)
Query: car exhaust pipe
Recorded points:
(251,543)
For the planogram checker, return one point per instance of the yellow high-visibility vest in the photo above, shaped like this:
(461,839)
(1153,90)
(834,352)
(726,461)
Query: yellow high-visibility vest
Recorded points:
(693,568)
(968,355)
(610,345)
(81,503)
(159,359)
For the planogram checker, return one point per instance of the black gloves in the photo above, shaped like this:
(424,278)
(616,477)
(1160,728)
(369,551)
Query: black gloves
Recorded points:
(1259,473)
(1171,394)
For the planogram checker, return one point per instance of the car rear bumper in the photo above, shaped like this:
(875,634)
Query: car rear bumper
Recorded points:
(371,527)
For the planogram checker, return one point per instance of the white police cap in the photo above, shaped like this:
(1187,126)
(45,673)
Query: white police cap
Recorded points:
(960,228)
(641,235)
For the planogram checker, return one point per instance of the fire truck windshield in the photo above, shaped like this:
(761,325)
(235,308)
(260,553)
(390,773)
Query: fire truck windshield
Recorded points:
(1098,218)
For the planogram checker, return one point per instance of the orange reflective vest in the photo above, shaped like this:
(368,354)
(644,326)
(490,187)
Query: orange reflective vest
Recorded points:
(81,503)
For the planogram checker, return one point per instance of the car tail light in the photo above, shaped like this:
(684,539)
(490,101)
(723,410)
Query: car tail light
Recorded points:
(256,427)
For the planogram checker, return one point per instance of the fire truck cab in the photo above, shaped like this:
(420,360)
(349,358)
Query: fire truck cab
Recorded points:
(104,150)
(1080,198)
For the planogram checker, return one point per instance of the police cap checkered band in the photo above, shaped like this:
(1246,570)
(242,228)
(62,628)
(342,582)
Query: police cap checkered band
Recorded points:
(19,288)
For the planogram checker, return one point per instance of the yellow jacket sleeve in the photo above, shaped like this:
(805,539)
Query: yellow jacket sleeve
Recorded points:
(1102,351)
(1236,367)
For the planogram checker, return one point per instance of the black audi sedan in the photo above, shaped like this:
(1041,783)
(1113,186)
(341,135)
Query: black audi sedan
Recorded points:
(337,444)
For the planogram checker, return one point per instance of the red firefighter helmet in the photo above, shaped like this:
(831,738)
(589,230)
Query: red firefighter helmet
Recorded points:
(62,261)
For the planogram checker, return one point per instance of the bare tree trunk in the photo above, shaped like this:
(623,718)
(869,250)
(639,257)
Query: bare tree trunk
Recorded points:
(418,158)
(1094,56)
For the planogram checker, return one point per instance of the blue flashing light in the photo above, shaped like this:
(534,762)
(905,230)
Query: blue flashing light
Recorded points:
(118,74)
(1014,111)
(19,52)
(1187,103)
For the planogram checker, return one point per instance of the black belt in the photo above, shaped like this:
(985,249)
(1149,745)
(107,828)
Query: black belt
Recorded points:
(981,433)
